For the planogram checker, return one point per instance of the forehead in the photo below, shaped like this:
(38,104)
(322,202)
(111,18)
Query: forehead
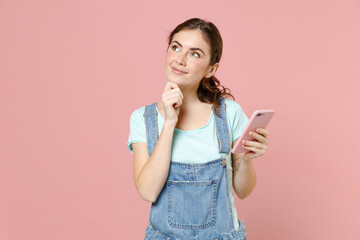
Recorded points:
(192,39)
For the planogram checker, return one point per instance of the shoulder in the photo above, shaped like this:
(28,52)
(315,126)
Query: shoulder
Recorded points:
(236,118)
(232,106)
(234,111)
(138,113)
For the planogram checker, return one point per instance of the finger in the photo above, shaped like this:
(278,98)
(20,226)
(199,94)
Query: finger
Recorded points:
(178,102)
(254,144)
(177,91)
(258,137)
(170,101)
(257,151)
(253,149)
(263,131)
(172,92)
(173,85)
(169,86)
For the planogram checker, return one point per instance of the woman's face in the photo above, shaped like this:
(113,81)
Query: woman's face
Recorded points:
(190,54)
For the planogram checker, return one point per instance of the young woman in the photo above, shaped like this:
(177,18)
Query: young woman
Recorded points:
(182,144)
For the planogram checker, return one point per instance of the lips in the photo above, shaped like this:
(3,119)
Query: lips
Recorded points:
(178,71)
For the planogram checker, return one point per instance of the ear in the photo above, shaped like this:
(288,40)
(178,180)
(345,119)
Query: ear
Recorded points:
(212,70)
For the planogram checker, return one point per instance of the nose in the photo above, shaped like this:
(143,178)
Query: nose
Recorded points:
(181,59)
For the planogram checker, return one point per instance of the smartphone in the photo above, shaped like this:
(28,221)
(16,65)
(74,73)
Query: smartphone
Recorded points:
(259,119)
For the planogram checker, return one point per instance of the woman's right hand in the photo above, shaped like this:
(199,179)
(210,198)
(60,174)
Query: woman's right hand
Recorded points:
(172,100)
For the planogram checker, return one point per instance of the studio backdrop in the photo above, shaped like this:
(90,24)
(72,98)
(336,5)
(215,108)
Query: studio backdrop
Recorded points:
(72,72)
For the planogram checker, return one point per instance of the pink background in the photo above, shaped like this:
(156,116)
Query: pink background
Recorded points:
(72,72)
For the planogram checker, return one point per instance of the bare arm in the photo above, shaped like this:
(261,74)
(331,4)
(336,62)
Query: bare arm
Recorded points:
(150,173)
(244,176)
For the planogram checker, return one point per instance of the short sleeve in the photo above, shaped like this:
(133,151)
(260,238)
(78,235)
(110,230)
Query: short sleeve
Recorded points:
(137,128)
(239,121)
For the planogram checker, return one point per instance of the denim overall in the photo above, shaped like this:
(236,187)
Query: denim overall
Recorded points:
(196,202)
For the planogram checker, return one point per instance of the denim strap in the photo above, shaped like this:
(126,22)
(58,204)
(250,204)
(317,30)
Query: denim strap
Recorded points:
(151,122)
(222,129)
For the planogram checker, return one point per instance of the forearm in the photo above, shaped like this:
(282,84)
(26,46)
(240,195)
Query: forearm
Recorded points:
(244,177)
(156,169)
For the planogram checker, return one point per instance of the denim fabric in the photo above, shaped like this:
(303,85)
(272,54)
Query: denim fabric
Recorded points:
(196,201)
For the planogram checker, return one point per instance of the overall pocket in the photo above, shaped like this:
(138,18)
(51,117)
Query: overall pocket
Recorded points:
(191,204)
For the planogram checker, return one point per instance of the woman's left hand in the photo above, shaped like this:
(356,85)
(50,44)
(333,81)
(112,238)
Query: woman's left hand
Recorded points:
(257,147)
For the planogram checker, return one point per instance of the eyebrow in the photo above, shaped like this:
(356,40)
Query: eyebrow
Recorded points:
(190,48)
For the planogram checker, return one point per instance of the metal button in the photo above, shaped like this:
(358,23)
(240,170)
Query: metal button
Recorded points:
(223,162)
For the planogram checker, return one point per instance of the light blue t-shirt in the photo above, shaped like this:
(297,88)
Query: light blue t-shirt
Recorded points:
(195,146)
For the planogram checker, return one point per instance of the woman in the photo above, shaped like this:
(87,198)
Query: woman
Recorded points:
(182,145)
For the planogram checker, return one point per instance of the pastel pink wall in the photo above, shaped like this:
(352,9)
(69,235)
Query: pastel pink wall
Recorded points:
(71,73)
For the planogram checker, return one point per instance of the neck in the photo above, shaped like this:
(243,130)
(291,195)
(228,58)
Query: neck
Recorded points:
(190,98)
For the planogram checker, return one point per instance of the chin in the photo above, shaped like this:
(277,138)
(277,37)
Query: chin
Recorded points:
(175,79)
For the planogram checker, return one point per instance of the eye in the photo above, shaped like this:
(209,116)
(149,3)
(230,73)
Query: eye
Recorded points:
(173,47)
(198,55)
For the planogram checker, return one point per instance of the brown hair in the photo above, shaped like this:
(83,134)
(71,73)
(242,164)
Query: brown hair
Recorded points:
(210,90)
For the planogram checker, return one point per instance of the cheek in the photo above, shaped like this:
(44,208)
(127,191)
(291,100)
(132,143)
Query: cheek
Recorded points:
(170,56)
(199,66)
